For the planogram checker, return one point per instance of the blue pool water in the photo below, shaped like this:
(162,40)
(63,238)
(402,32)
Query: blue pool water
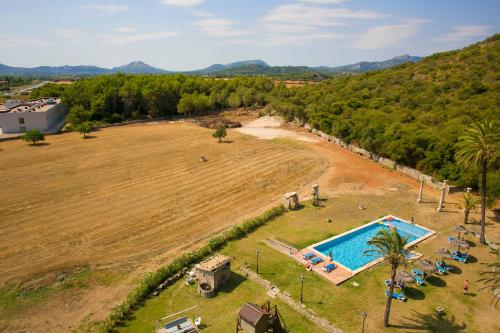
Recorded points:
(349,249)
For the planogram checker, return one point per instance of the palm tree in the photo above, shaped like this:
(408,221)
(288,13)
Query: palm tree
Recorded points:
(389,244)
(478,147)
(468,204)
(491,279)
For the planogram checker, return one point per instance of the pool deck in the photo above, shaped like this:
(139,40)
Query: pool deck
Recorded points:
(342,273)
(337,276)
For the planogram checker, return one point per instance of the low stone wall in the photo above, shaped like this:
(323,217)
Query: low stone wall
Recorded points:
(286,298)
(413,173)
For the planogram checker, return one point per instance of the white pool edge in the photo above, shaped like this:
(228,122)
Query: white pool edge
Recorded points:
(379,260)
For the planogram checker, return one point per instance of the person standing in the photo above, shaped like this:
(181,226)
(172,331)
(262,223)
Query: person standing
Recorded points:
(466,287)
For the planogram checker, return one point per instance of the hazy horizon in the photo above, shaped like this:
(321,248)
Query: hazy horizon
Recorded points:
(192,34)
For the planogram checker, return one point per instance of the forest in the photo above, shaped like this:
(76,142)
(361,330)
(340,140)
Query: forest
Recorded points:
(413,113)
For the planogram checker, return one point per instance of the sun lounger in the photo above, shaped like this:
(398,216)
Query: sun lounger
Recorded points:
(441,270)
(328,268)
(396,284)
(308,255)
(416,271)
(450,238)
(419,280)
(316,260)
(443,265)
(399,296)
(462,257)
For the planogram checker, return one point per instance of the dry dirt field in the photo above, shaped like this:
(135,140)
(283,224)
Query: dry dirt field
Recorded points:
(123,199)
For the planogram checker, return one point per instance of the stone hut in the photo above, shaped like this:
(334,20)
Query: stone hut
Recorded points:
(212,274)
(253,318)
(291,200)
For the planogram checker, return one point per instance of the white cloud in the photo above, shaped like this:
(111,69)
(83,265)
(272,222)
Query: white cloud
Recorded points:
(217,27)
(464,32)
(387,35)
(182,3)
(201,13)
(127,39)
(125,29)
(106,8)
(324,2)
(69,35)
(301,14)
(22,41)
(276,40)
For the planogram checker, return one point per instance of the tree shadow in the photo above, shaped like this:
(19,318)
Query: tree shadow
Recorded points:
(227,141)
(496,213)
(414,293)
(431,323)
(436,281)
(40,144)
(454,269)
(88,137)
(234,281)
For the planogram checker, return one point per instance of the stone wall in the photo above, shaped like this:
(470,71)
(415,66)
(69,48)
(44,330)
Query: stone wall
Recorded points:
(413,173)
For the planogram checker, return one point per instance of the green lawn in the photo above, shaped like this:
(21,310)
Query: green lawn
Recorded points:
(343,304)
(218,314)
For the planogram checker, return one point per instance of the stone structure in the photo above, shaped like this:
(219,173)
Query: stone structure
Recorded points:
(421,191)
(442,197)
(44,114)
(291,200)
(253,318)
(315,194)
(212,274)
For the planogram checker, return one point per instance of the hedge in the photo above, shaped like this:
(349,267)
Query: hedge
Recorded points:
(152,280)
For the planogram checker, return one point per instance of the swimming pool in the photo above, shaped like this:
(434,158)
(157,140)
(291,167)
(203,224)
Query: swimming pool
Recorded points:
(348,249)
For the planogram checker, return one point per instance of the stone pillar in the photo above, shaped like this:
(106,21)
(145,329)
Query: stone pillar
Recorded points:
(443,194)
(421,192)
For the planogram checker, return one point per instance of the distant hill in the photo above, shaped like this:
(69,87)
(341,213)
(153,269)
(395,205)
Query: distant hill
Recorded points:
(136,67)
(259,67)
(246,67)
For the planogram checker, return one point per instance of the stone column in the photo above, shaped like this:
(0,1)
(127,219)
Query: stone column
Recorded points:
(443,194)
(421,192)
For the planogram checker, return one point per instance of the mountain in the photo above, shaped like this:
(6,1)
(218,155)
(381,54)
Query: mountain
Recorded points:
(365,66)
(259,67)
(138,67)
(216,68)
(246,67)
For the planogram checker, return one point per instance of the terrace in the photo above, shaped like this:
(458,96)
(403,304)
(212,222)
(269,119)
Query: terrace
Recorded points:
(364,291)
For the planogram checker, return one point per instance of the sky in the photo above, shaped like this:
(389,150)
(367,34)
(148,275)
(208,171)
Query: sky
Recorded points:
(192,34)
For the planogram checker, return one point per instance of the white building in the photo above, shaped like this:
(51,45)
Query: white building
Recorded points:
(44,114)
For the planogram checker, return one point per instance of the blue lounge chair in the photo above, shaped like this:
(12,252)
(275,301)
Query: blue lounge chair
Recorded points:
(308,255)
(419,280)
(441,270)
(443,265)
(396,284)
(316,260)
(399,296)
(462,257)
(416,271)
(450,238)
(328,268)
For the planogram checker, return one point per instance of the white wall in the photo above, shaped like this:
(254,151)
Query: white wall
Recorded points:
(43,121)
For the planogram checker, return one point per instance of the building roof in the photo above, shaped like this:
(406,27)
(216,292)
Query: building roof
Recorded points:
(214,262)
(252,313)
(181,325)
(36,105)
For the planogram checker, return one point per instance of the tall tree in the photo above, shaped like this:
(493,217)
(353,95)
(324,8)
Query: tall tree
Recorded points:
(390,244)
(479,148)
